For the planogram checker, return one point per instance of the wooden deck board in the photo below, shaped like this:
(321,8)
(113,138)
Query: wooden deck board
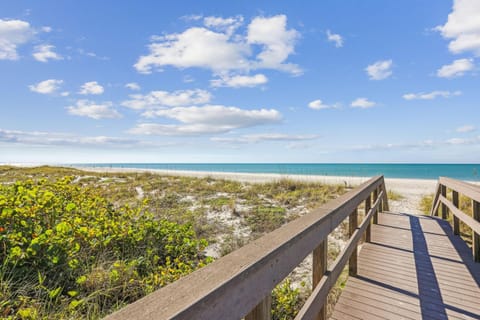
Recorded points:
(413,268)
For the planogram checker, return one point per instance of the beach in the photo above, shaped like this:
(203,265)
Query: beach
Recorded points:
(411,190)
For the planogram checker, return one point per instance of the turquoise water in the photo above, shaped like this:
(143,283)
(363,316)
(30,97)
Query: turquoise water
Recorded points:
(406,171)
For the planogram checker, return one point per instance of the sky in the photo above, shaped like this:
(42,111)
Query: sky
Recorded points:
(377,81)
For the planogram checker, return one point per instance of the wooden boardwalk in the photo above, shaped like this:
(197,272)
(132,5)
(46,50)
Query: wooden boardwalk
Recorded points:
(413,268)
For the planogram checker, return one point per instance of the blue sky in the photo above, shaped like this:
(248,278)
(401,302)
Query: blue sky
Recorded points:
(223,81)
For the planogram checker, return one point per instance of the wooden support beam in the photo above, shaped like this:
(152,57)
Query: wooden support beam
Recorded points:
(456,221)
(368,205)
(475,235)
(263,310)
(353,225)
(320,261)
(375,215)
(443,192)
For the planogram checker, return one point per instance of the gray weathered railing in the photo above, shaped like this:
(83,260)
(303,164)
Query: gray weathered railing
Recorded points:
(239,285)
(440,201)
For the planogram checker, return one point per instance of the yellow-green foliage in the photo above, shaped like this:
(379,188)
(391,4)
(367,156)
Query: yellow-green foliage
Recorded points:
(395,196)
(286,301)
(67,252)
(426,204)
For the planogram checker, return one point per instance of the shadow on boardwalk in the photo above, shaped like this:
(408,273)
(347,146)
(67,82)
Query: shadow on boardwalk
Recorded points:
(413,268)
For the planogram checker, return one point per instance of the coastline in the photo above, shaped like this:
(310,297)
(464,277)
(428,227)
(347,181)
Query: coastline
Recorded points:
(412,190)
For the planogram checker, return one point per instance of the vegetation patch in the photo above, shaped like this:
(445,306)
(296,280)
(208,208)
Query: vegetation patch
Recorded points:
(77,244)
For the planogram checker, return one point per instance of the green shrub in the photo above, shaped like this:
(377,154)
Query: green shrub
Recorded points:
(266,219)
(286,301)
(67,252)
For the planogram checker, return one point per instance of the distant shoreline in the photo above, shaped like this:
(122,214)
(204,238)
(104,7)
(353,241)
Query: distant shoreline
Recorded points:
(412,190)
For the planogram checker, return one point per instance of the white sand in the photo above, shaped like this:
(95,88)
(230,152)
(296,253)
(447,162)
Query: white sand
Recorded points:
(412,190)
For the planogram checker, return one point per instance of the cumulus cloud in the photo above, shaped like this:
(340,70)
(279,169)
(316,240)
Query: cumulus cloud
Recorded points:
(43,138)
(91,87)
(239,81)
(13,33)
(44,52)
(466,128)
(133,86)
(278,42)
(261,137)
(206,120)
(362,103)
(335,38)
(463,27)
(379,70)
(431,95)
(90,109)
(218,47)
(161,99)
(456,69)
(319,105)
(46,87)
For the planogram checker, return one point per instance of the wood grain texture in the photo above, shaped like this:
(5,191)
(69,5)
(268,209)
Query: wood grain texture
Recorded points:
(414,268)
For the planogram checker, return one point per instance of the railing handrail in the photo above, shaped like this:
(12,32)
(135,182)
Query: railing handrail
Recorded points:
(233,285)
(471,191)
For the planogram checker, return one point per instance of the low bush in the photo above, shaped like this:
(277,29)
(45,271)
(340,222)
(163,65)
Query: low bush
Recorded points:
(67,252)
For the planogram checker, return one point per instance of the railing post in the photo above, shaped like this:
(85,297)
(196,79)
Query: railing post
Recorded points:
(368,205)
(263,310)
(319,267)
(443,191)
(456,221)
(476,236)
(375,215)
(352,225)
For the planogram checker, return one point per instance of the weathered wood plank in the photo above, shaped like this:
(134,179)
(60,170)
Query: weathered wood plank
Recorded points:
(413,268)
(470,221)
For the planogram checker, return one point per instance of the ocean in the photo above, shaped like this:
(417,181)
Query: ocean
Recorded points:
(406,171)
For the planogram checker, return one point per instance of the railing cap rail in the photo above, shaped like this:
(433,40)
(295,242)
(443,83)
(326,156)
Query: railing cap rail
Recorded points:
(470,190)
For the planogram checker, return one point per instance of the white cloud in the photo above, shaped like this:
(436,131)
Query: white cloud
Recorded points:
(133,86)
(319,105)
(60,139)
(159,99)
(239,81)
(44,52)
(278,42)
(12,34)
(463,27)
(456,69)
(219,48)
(379,70)
(362,103)
(206,120)
(431,95)
(195,47)
(466,128)
(46,87)
(90,109)
(46,29)
(336,38)
(261,137)
(91,87)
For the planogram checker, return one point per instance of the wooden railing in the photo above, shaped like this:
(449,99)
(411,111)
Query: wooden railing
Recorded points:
(441,202)
(239,285)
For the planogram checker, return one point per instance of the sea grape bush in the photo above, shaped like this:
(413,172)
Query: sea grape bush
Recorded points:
(67,252)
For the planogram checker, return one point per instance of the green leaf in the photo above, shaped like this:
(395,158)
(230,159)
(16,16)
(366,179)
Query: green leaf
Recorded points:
(70,207)
(54,293)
